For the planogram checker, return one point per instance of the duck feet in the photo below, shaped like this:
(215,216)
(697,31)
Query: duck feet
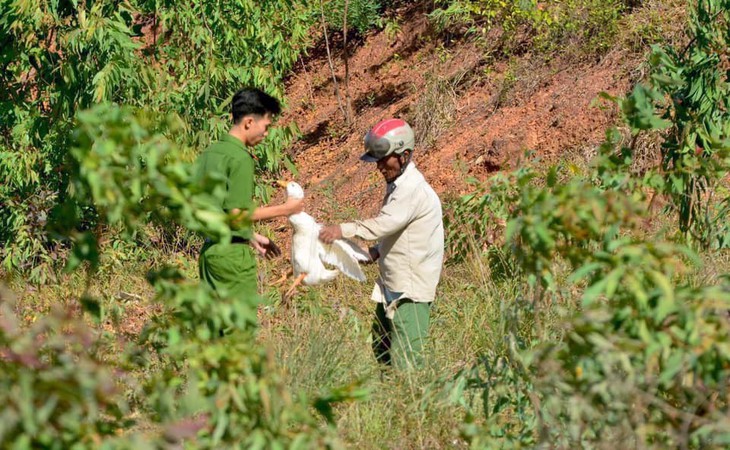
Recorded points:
(285,276)
(288,295)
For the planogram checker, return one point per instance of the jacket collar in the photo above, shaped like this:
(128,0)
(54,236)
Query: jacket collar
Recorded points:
(408,174)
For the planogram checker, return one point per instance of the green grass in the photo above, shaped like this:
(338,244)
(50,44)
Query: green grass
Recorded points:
(322,341)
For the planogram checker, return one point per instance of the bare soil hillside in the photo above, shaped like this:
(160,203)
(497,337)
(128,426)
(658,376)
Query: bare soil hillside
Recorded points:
(475,112)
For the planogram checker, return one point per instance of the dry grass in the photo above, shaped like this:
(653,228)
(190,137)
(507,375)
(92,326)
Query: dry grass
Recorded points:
(435,110)
(650,24)
(322,341)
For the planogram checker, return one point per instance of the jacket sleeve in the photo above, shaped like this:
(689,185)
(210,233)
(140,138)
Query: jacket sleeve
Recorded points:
(393,217)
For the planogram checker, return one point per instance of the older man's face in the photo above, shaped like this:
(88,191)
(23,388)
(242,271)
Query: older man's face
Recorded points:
(390,167)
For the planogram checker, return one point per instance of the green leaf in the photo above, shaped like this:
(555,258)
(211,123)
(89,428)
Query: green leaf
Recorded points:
(92,306)
(665,302)
(584,271)
(84,249)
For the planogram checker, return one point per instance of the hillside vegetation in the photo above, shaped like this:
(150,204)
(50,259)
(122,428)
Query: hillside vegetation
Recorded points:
(585,302)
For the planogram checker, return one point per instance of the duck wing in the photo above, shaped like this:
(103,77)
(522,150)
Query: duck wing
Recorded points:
(353,249)
(344,255)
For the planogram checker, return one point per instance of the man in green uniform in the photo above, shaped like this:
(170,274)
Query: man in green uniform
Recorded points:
(231,268)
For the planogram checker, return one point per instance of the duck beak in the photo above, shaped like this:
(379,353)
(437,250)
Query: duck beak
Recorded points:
(282,183)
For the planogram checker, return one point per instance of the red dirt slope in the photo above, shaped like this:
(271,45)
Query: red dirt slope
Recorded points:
(501,110)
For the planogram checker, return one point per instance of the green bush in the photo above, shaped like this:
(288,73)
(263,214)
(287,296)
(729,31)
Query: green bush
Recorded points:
(362,15)
(642,352)
(197,371)
(586,26)
(188,59)
(56,391)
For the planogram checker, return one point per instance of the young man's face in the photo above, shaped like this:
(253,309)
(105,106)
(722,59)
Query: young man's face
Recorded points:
(256,128)
(389,167)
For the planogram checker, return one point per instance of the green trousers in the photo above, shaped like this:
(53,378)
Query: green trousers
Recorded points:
(399,342)
(230,269)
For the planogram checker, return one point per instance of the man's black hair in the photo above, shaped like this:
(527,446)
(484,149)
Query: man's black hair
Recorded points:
(254,101)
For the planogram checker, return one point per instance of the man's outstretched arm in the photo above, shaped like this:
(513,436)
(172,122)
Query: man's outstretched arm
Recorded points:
(291,206)
(392,218)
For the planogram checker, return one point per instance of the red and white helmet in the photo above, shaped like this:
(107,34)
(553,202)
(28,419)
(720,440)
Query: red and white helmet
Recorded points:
(386,137)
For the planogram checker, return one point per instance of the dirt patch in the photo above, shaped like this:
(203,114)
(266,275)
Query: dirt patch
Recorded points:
(501,109)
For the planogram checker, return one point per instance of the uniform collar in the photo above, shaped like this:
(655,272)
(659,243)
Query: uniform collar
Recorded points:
(229,138)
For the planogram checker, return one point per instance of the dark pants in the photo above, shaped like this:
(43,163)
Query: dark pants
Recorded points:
(399,342)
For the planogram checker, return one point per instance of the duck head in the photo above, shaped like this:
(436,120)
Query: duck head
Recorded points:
(302,220)
(293,189)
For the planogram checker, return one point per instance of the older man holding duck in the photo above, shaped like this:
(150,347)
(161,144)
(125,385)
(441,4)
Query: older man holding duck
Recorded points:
(410,246)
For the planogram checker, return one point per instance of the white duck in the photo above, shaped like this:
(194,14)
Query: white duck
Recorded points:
(308,253)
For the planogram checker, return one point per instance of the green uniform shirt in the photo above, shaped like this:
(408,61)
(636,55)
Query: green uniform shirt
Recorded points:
(229,158)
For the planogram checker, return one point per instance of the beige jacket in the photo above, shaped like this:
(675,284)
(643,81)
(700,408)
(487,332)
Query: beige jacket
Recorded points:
(410,234)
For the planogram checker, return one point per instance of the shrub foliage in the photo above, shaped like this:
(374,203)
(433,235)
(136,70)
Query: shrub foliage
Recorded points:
(642,357)
(186,59)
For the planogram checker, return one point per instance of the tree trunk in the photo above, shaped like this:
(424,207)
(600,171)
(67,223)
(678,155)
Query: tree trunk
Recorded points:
(329,59)
(348,101)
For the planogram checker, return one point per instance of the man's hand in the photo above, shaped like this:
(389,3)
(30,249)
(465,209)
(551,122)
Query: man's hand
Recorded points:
(374,255)
(294,206)
(265,246)
(238,217)
(330,233)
